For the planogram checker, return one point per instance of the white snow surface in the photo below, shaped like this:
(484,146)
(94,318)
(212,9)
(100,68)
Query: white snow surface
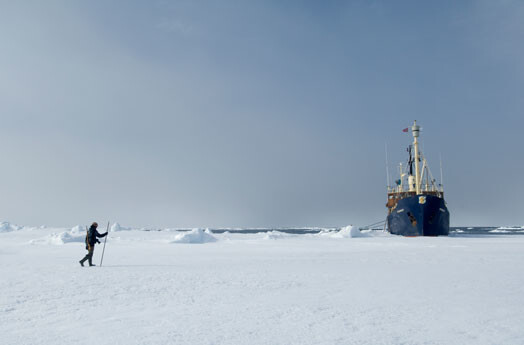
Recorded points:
(329,288)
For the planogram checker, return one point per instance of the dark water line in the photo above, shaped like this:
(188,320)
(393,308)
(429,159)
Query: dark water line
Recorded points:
(454,231)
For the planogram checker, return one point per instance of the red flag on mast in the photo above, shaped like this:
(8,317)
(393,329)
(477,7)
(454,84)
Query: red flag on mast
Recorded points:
(405,130)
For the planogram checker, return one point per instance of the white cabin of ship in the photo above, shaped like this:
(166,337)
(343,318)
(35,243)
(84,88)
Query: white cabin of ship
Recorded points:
(415,178)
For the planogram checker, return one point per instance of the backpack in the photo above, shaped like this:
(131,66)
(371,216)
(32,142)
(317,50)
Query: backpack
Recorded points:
(87,238)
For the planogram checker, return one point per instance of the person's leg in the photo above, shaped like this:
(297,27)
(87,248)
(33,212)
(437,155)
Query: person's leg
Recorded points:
(86,257)
(90,255)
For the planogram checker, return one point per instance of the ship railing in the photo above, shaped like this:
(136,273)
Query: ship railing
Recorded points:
(401,195)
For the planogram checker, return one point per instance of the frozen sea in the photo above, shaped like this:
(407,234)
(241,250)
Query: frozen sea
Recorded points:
(320,286)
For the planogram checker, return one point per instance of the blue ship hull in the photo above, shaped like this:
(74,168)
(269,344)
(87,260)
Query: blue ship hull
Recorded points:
(419,215)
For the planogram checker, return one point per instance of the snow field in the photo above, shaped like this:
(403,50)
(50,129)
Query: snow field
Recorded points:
(261,289)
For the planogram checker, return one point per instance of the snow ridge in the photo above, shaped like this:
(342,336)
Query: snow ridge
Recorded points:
(8,227)
(195,236)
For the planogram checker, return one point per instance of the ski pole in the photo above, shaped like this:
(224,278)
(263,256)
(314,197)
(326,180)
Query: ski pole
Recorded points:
(103,250)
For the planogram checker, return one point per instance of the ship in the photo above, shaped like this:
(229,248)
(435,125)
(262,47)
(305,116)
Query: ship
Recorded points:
(415,203)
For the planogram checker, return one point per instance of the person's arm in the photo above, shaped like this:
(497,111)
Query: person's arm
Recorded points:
(101,235)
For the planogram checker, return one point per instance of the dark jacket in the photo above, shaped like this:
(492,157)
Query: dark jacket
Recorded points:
(92,235)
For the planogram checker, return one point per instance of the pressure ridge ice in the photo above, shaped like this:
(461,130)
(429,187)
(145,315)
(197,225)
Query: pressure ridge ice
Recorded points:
(195,236)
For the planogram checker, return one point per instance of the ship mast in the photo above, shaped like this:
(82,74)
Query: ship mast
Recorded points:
(415,130)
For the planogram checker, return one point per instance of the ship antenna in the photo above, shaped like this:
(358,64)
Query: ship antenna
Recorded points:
(416,130)
(410,160)
(441,175)
(387,166)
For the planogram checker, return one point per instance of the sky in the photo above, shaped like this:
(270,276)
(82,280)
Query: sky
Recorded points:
(256,113)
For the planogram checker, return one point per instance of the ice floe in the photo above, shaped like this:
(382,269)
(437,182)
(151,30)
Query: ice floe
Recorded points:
(117,227)
(275,235)
(195,236)
(8,227)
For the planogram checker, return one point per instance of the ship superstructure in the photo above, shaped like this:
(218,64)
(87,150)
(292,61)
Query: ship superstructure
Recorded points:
(416,205)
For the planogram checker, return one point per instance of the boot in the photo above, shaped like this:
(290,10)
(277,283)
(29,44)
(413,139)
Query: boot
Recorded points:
(91,263)
(81,263)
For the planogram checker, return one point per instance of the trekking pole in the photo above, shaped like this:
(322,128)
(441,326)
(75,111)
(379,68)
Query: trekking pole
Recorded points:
(103,250)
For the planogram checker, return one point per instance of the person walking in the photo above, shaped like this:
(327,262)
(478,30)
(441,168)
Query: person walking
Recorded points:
(91,239)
